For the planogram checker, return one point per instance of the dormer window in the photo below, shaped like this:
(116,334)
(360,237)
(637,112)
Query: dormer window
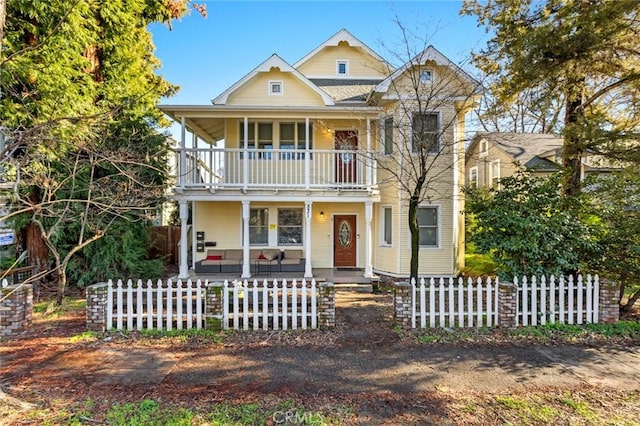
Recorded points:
(342,68)
(276,87)
(426,76)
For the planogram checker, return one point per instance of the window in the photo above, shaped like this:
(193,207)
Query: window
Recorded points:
(289,227)
(473,177)
(425,133)
(263,133)
(428,225)
(494,173)
(388,135)
(259,227)
(387,226)
(426,76)
(276,87)
(484,147)
(342,67)
(293,137)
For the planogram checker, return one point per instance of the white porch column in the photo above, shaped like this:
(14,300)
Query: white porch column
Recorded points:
(246,266)
(368,164)
(308,273)
(307,155)
(368,239)
(182,174)
(184,244)
(245,157)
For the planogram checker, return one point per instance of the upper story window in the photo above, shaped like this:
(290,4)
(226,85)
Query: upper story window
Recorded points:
(484,147)
(276,87)
(473,177)
(426,76)
(293,136)
(342,67)
(388,135)
(494,173)
(425,134)
(262,133)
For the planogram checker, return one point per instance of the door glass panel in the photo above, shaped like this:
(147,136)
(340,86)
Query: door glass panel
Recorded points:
(344,236)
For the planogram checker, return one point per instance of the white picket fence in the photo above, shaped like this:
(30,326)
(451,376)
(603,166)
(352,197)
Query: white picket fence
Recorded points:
(456,303)
(563,301)
(269,306)
(157,306)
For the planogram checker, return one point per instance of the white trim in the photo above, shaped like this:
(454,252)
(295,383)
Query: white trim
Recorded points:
(273,62)
(274,83)
(428,54)
(334,40)
(344,62)
(383,243)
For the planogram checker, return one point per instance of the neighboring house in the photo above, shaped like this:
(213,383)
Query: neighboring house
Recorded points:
(297,171)
(491,156)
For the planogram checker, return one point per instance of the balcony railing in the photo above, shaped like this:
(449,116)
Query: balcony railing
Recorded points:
(274,168)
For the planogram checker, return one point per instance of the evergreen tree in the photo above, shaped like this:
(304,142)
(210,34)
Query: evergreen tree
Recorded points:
(586,50)
(79,92)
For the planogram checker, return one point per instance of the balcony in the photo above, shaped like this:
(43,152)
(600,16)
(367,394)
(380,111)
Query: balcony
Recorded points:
(222,169)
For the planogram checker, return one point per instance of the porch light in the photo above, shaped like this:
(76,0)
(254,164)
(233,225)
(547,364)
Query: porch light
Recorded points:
(321,215)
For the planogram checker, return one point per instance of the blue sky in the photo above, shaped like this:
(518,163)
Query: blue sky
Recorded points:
(206,56)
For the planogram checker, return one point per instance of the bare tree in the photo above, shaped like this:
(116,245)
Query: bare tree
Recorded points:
(528,112)
(75,198)
(422,144)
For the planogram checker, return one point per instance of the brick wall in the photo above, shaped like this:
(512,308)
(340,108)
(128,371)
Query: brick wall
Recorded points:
(508,305)
(16,308)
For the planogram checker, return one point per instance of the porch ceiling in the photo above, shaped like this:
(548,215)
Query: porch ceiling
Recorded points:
(208,121)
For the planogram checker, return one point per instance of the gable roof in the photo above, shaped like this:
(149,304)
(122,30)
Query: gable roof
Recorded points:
(529,149)
(428,54)
(273,61)
(342,35)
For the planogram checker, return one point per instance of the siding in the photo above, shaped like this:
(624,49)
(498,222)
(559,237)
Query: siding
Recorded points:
(361,65)
(256,92)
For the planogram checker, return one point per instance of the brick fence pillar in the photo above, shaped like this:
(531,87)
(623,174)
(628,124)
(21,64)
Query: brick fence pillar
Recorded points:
(16,308)
(326,305)
(403,305)
(97,307)
(507,305)
(213,306)
(609,307)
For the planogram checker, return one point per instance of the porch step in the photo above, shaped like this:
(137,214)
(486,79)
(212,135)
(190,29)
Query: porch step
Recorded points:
(362,288)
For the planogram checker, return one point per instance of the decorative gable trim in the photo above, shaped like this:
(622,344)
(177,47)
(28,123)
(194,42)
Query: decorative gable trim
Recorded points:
(274,61)
(334,40)
(428,54)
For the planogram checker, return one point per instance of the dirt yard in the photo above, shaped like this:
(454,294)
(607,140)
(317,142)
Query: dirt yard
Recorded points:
(38,389)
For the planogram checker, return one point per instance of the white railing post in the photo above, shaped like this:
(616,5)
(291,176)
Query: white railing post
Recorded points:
(182,173)
(245,156)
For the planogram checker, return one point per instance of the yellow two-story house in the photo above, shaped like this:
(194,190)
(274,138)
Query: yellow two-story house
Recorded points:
(283,171)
